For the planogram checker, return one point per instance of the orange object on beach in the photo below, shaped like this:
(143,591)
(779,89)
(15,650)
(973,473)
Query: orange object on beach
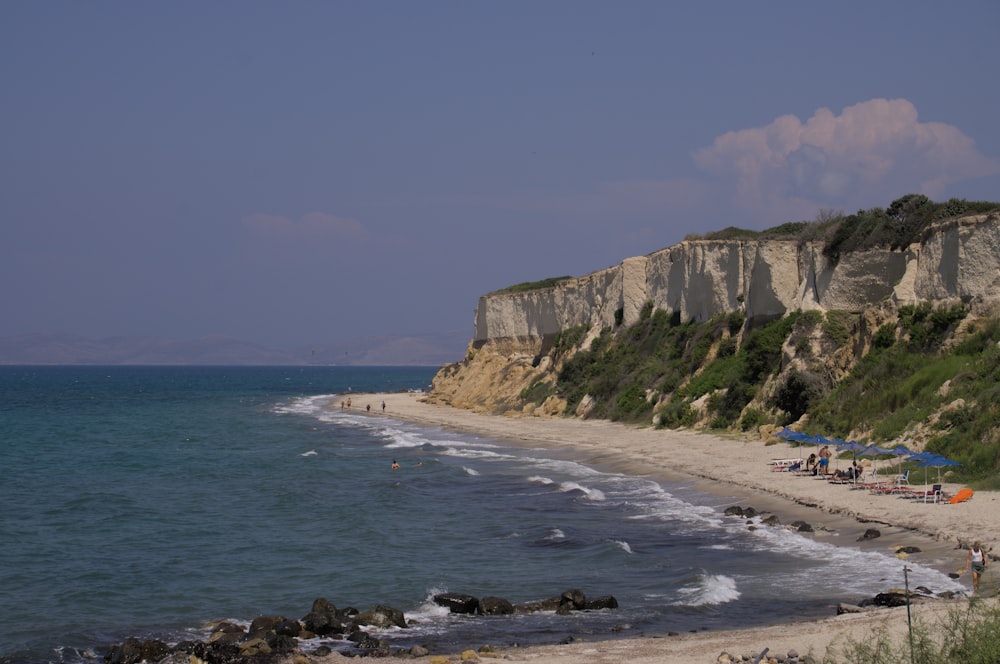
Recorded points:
(961,496)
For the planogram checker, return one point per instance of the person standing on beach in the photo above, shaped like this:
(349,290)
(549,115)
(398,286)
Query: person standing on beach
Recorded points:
(976,562)
(824,460)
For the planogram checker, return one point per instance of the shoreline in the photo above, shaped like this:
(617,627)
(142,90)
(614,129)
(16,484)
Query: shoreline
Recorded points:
(736,468)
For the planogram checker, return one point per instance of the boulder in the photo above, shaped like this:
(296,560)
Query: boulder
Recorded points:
(550,604)
(735,510)
(363,640)
(322,605)
(495,606)
(871,533)
(575,598)
(457,603)
(603,602)
(127,652)
(802,526)
(381,616)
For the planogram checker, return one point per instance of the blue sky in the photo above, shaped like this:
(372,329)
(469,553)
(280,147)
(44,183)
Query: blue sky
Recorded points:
(309,172)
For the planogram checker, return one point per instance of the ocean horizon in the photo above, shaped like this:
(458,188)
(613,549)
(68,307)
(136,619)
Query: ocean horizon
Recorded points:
(151,501)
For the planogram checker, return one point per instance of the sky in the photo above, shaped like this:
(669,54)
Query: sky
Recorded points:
(300,173)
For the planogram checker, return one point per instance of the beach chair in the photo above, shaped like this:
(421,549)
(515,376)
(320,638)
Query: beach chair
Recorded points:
(933,494)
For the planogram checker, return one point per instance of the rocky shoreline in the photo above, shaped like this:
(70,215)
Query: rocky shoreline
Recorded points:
(278,638)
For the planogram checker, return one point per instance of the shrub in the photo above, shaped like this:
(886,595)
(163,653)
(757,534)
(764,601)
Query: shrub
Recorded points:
(797,393)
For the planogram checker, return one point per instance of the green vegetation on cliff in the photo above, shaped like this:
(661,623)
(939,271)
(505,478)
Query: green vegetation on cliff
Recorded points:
(904,222)
(534,285)
(930,367)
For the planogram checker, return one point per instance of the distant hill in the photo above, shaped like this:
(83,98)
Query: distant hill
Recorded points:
(66,349)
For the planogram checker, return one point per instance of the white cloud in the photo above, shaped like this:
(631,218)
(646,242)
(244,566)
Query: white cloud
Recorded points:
(870,154)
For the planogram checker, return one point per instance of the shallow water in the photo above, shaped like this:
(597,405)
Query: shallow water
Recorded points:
(149,501)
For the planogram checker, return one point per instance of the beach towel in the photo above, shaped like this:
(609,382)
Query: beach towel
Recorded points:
(961,496)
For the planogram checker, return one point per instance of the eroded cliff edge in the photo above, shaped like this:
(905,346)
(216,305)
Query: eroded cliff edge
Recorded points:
(958,260)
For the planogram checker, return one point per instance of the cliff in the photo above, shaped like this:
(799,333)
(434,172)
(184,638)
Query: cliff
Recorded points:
(958,260)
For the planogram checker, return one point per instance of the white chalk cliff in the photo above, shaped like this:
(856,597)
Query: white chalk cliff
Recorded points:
(765,278)
(699,279)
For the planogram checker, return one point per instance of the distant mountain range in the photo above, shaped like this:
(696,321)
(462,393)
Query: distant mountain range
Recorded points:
(62,349)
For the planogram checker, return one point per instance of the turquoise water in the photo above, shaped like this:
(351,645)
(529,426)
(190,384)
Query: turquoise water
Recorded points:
(149,501)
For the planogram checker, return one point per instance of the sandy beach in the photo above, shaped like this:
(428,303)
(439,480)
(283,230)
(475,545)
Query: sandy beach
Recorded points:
(739,467)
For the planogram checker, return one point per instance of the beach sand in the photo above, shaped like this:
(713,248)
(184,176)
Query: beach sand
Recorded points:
(738,467)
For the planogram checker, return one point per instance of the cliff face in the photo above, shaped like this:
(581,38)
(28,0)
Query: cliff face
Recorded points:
(702,278)
(765,278)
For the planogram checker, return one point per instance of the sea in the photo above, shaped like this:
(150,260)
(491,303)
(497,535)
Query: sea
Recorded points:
(152,501)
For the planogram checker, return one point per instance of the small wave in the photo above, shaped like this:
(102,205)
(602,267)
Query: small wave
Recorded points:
(429,611)
(538,479)
(470,471)
(591,494)
(622,545)
(712,589)
(555,534)
(309,453)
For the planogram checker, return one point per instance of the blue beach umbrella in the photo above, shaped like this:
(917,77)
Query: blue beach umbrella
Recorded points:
(900,451)
(936,461)
(872,451)
(796,436)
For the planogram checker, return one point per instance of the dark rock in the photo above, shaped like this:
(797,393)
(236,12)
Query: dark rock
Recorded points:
(848,608)
(457,603)
(735,510)
(323,624)
(322,605)
(495,606)
(889,599)
(550,604)
(284,643)
(871,533)
(381,616)
(127,652)
(604,602)
(771,520)
(264,624)
(908,549)
(574,597)
(324,619)
(749,512)
(287,627)
(363,640)
(802,526)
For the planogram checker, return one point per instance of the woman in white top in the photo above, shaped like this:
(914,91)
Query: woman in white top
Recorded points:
(977,563)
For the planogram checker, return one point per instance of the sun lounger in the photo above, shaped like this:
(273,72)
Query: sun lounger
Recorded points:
(778,465)
(932,494)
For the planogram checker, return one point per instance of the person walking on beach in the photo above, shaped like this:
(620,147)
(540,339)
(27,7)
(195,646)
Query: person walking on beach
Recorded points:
(976,562)
(824,460)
